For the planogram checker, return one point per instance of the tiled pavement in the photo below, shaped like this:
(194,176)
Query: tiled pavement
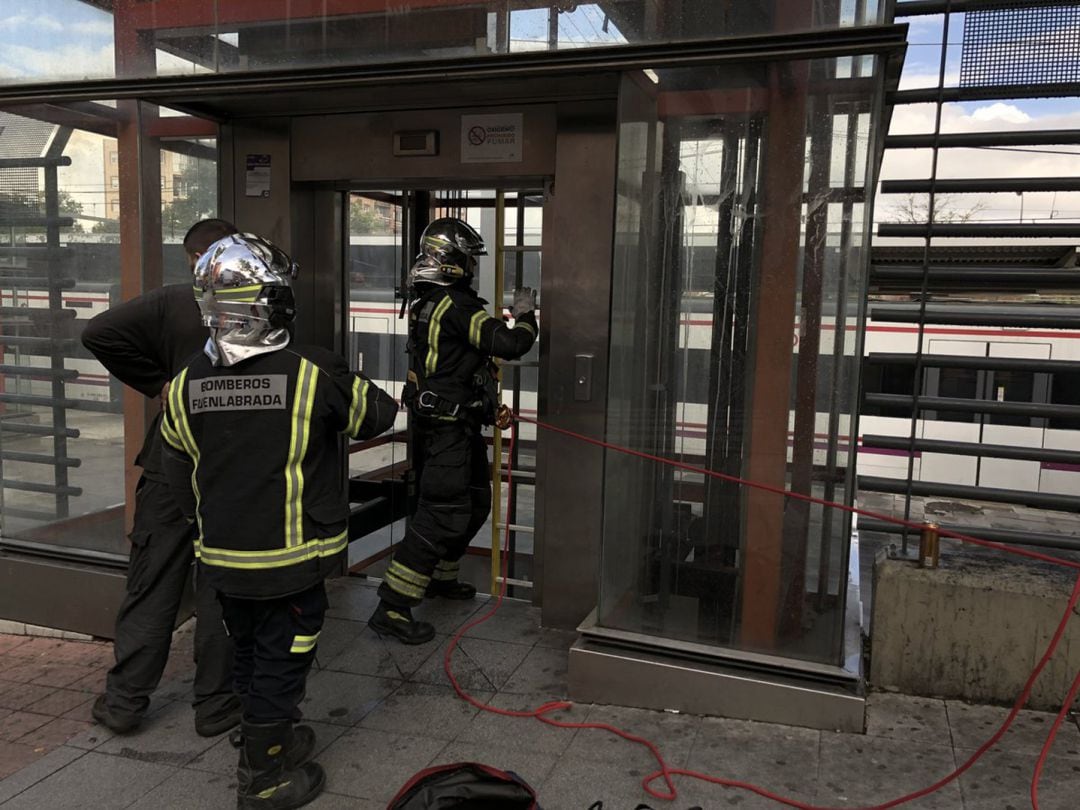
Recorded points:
(383,711)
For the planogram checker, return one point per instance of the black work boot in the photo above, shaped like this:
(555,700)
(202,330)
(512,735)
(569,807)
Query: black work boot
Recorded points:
(301,750)
(265,780)
(450,589)
(398,622)
(116,722)
(225,719)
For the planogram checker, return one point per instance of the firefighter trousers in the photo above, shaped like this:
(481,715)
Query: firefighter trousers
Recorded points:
(161,562)
(454,484)
(275,642)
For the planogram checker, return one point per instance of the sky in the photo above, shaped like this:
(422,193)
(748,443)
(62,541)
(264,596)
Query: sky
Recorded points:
(50,39)
(921,66)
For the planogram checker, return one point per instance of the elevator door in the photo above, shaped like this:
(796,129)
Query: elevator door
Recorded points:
(382,228)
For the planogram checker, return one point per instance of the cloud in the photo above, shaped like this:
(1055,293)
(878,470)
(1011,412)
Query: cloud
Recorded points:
(101,28)
(69,62)
(20,22)
(1032,161)
(1001,112)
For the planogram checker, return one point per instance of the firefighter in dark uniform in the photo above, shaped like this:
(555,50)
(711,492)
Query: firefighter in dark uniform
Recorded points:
(253,450)
(144,342)
(451,393)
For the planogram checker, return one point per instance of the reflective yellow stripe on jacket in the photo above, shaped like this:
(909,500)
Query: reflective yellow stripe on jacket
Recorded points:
(434,327)
(303,403)
(180,429)
(475,323)
(272,558)
(358,407)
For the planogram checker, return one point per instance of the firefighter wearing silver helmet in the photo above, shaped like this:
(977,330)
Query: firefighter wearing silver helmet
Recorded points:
(242,286)
(252,435)
(451,394)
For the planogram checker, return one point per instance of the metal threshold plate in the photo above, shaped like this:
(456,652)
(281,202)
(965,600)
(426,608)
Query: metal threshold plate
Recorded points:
(692,651)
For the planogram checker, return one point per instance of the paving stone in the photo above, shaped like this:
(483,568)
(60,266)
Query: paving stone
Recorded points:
(90,739)
(9,643)
(542,672)
(337,635)
(523,733)
(903,717)
(93,681)
(55,732)
(22,695)
(191,790)
(19,724)
(84,711)
(167,736)
(575,783)
(93,780)
(372,764)
(25,671)
(857,770)
(59,703)
(221,757)
(343,698)
(673,734)
(15,755)
(368,654)
(447,615)
(478,664)
(61,675)
(33,766)
(1001,780)
(514,622)
(339,801)
(781,759)
(531,766)
(351,599)
(425,710)
(972,725)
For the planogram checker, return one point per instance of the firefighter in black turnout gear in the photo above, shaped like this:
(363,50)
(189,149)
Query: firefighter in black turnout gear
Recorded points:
(451,393)
(253,450)
(144,342)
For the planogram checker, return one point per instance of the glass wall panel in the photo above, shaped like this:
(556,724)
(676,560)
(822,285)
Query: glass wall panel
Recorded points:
(77,39)
(740,258)
(72,228)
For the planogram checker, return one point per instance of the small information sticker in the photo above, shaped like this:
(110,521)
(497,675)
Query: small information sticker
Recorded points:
(493,138)
(258,176)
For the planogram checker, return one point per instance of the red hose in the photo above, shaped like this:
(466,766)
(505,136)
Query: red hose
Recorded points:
(541,713)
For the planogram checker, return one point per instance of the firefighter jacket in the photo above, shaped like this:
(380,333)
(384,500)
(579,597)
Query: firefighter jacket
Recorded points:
(452,339)
(253,453)
(144,343)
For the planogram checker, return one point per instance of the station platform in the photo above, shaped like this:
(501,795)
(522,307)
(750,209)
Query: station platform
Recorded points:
(383,711)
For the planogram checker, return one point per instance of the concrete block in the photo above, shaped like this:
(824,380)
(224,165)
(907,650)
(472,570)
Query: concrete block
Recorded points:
(972,629)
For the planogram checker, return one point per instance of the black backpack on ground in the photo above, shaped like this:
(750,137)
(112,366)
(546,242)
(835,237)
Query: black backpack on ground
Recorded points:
(465,786)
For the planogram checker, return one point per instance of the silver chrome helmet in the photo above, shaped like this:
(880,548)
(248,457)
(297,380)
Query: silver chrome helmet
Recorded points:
(242,284)
(448,251)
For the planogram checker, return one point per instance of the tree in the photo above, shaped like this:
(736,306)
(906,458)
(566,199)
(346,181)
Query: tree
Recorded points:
(915,209)
(195,198)
(363,219)
(15,208)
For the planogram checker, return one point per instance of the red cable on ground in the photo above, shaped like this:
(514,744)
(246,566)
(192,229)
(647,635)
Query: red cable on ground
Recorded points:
(1045,752)
(666,772)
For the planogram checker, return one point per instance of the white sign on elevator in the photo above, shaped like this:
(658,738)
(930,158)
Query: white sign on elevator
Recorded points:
(493,138)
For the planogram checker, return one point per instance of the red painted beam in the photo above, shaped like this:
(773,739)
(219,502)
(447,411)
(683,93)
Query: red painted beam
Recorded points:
(186,14)
(185,126)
